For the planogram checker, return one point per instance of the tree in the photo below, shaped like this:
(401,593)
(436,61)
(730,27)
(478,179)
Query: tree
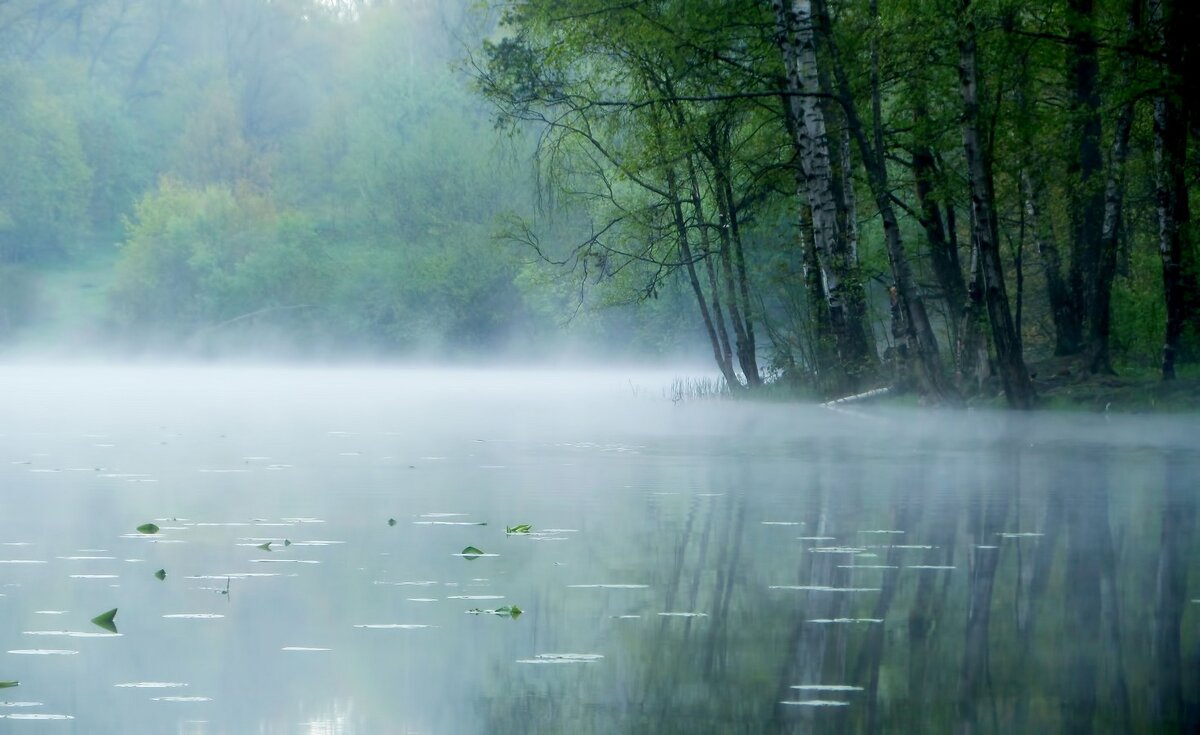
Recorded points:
(1013,374)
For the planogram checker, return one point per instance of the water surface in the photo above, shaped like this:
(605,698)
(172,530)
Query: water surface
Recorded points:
(692,566)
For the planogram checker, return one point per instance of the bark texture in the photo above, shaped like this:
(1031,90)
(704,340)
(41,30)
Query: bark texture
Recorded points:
(1013,375)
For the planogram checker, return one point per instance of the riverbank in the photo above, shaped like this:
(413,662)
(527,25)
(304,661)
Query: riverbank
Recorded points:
(1137,391)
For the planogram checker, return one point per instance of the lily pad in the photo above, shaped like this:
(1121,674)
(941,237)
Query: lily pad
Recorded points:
(8,684)
(522,528)
(107,620)
(161,574)
(391,521)
(264,547)
(508,611)
(147,528)
(471,553)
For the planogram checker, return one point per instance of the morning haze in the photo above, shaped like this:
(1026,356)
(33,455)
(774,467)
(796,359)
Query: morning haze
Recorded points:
(696,366)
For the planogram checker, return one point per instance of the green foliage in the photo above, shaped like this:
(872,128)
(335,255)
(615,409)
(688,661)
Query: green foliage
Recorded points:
(107,620)
(147,528)
(45,190)
(311,177)
(1138,310)
(196,258)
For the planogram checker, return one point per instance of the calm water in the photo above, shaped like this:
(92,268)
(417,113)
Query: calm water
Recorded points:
(692,567)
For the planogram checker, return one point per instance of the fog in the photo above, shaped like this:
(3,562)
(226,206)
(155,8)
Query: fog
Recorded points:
(688,564)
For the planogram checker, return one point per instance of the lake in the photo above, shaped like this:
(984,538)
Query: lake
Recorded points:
(690,566)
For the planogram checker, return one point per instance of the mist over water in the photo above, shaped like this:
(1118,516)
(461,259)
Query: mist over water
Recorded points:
(691,566)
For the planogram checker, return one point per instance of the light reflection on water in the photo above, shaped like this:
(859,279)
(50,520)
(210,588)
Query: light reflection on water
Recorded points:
(1046,578)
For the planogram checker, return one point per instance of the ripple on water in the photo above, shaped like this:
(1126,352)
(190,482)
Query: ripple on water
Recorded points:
(150,685)
(815,703)
(867,566)
(562,658)
(71,633)
(305,649)
(846,620)
(36,716)
(821,588)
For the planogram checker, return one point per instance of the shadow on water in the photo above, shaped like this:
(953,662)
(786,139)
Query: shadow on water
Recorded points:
(988,584)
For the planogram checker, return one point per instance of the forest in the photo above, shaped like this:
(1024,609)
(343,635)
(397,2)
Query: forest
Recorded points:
(953,197)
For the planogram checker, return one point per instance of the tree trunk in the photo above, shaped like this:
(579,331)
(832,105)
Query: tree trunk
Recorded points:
(839,272)
(718,313)
(1170,155)
(1085,167)
(943,256)
(1067,334)
(918,334)
(974,362)
(1013,375)
(737,290)
(680,222)
(823,358)
(1100,317)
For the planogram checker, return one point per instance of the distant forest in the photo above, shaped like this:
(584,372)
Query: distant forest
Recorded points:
(832,194)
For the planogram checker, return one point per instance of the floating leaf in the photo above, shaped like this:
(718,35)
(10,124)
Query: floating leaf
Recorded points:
(519,529)
(147,528)
(161,574)
(391,521)
(471,553)
(508,611)
(107,620)
(264,547)
(287,543)
(8,684)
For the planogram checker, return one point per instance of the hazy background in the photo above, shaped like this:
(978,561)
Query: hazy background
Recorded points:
(303,178)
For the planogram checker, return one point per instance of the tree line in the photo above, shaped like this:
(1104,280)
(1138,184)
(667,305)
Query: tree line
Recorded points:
(973,186)
(312,177)
(947,196)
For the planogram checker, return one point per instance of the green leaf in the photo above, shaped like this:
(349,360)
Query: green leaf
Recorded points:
(472,553)
(519,529)
(264,547)
(147,528)
(107,620)
(161,574)
(8,684)
(287,542)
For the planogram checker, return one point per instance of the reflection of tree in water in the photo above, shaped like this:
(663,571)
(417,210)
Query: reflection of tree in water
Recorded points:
(1034,588)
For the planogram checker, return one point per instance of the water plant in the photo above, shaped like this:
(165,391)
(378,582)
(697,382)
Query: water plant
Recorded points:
(107,620)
